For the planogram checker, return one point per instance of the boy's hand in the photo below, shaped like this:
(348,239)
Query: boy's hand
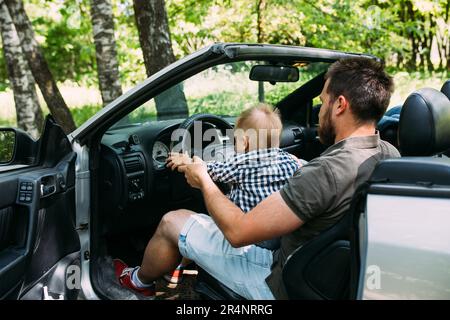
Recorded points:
(177,159)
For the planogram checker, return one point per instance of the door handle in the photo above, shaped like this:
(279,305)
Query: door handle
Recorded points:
(48,186)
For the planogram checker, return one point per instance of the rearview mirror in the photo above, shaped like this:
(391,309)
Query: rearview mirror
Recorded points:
(7,144)
(273,73)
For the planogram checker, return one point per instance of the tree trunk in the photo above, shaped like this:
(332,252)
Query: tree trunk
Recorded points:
(39,66)
(432,34)
(154,37)
(105,48)
(28,112)
(260,7)
(447,47)
(412,64)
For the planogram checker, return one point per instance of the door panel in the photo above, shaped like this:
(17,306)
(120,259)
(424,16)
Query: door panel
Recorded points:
(37,220)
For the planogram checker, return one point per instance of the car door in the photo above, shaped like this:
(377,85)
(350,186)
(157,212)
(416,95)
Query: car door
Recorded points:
(39,246)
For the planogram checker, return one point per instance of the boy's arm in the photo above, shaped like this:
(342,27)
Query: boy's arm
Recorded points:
(225,172)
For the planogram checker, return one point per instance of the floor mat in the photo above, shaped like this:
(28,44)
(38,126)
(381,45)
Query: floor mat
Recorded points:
(181,291)
(104,270)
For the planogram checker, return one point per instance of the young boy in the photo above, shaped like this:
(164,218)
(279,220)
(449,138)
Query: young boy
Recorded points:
(258,169)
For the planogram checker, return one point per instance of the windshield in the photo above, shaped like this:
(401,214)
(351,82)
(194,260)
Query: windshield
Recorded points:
(223,90)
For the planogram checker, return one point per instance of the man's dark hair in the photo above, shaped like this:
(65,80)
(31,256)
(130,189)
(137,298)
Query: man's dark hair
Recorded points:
(364,83)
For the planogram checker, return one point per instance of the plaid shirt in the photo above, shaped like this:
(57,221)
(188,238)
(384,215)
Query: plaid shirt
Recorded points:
(255,175)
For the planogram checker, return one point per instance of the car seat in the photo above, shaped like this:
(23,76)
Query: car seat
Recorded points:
(446,89)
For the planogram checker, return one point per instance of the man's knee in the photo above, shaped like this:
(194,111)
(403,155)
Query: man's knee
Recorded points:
(173,221)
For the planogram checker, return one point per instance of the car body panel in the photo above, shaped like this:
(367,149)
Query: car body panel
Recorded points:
(408,243)
(38,241)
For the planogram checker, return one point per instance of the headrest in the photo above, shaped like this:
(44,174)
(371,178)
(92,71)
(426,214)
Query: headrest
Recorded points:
(424,127)
(446,89)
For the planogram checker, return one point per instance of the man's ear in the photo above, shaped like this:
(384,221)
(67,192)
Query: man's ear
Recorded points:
(342,105)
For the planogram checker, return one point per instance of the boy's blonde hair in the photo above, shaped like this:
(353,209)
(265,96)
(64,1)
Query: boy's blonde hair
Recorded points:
(266,125)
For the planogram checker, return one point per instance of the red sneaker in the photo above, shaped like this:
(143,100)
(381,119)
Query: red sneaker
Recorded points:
(123,275)
(176,276)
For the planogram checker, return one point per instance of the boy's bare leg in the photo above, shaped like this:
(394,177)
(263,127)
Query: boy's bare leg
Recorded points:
(162,255)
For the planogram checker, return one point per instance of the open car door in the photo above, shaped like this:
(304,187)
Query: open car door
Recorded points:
(39,246)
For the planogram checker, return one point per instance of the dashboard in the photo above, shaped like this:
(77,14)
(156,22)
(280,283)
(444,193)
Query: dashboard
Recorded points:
(133,174)
(160,153)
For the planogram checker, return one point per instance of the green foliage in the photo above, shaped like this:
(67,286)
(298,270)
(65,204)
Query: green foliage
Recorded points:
(64,31)
(280,91)
(398,31)
(7,141)
(131,61)
(222,103)
(80,115)
(3,75)
(144,113)
(8,123)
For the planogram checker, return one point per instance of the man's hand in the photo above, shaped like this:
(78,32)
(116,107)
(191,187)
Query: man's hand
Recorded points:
(196,173)
(177,159)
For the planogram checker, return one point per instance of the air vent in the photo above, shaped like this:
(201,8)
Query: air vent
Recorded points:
(133,164)
(298,134)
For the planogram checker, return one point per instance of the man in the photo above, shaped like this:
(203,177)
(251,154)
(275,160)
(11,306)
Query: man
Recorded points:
(355,96)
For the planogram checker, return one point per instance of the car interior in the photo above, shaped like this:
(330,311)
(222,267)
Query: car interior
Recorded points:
(135,189)
(131,188)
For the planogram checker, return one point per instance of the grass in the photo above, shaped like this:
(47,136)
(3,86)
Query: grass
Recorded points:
(10,122)
(229,99)
(81,114)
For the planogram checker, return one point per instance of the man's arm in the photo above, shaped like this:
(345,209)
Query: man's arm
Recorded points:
(269,219)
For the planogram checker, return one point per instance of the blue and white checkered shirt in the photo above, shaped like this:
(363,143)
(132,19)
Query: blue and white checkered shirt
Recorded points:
(254,175)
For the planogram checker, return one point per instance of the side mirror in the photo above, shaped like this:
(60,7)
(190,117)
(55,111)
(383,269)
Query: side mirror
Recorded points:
(17,147)
(274,73)
(7,144)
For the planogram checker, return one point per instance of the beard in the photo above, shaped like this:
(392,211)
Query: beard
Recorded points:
(327,132)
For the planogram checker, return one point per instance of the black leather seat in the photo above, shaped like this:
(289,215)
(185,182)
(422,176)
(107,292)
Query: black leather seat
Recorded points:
(320,269)
(446,89)
(327,266)
(424,127)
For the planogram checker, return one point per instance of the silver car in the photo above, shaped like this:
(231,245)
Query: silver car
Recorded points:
(71,203)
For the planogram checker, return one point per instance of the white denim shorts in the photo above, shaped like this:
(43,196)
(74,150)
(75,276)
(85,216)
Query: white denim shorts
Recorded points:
(243,270)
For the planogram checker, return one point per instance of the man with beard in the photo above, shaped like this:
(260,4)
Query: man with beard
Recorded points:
(354,98)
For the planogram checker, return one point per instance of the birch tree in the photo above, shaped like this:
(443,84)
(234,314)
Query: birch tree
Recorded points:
(154,38)
(28,111)
(39,67)
(105,48)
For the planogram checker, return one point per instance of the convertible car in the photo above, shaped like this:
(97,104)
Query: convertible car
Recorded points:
(69,204)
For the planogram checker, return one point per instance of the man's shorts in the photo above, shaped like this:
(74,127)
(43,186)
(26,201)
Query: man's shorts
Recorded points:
(243,270)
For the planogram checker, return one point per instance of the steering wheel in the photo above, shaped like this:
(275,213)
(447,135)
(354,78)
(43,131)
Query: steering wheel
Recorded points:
(185,140)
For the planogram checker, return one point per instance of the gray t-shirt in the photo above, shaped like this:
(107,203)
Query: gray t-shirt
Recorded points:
(321,193)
